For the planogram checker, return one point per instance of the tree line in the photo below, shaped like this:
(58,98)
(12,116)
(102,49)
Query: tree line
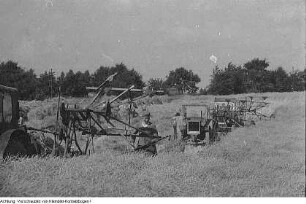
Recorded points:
(72,83)
(253,76)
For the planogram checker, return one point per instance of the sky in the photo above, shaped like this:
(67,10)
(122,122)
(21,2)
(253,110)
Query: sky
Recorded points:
(152,36)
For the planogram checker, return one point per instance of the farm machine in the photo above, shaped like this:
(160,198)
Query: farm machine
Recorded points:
(205,124)
(14,139)
(200,128)
(102,118)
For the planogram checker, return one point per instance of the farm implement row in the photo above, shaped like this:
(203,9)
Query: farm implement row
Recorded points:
(76,128)
(206,123)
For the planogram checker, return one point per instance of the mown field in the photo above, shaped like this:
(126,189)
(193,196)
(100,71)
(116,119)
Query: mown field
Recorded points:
(266,160)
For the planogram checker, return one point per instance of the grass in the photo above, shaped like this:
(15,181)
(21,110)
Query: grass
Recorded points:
(266,160)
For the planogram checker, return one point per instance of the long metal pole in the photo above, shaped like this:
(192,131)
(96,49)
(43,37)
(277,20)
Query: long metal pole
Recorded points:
(101,89)
(113,100)
(51,78)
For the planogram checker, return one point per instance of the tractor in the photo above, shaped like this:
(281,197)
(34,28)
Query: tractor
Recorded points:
(200,128)
(14,139)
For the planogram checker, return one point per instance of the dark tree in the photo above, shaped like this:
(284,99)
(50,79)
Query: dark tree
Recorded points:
(184,80)
(230,80)
(256,75)
(74,84)
(68,85)
(61,79)
(81,81)
(124,79)
(44,86)
(280,80)
(156,84)
(100,75)
(218,82)
(203,91)
(14,76)
(297,80)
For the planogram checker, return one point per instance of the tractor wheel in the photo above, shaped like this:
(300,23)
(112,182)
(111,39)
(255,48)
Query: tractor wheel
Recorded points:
(19,145)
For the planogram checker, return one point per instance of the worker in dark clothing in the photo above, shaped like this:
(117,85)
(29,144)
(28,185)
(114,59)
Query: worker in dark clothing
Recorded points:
(146,126)
(175,128)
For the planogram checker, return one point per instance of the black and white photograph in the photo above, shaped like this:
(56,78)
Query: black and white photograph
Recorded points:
(109,99)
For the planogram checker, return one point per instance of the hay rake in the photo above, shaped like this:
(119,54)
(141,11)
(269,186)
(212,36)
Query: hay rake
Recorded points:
(98,119)
(232,111)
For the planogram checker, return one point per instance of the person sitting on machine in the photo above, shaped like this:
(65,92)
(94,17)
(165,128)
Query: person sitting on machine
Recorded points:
(145,140)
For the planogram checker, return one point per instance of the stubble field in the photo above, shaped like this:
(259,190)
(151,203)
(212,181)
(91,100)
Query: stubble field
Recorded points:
(263,160)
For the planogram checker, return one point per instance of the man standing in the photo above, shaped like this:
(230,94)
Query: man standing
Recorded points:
(174,125)
(181,124)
